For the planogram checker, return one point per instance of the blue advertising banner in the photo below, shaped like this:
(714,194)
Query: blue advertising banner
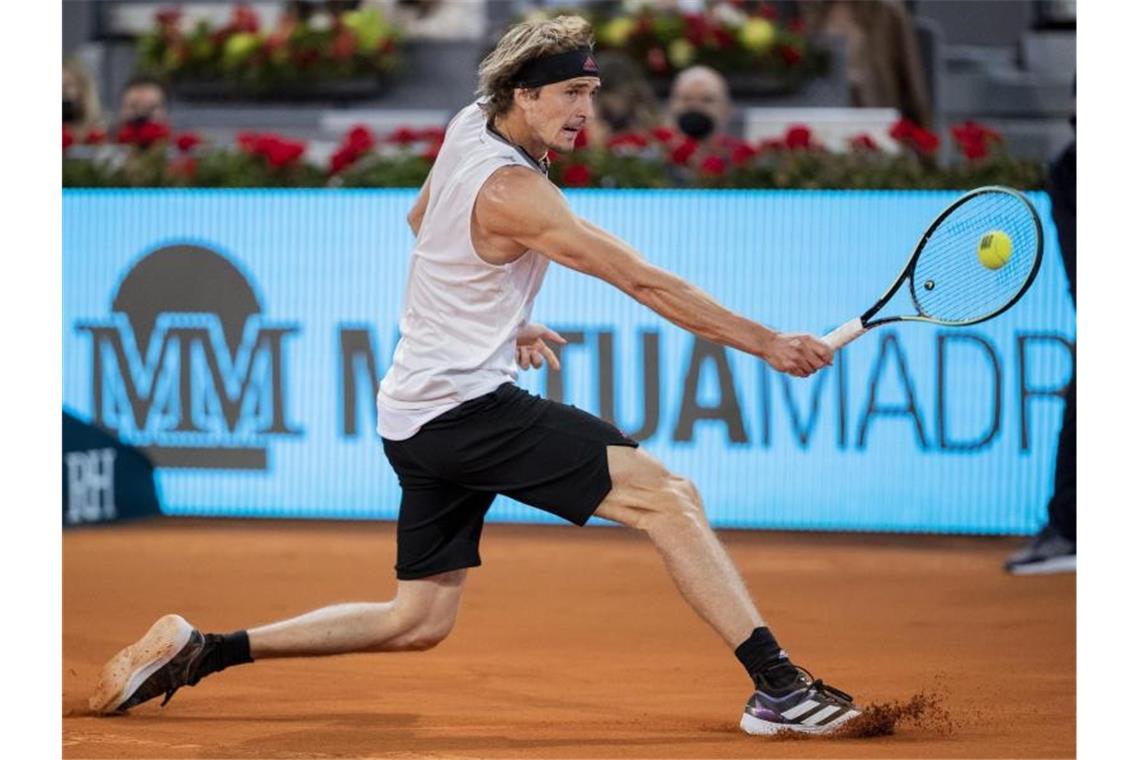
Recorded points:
(237,337)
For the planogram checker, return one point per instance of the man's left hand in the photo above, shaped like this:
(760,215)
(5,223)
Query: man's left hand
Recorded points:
(531,347)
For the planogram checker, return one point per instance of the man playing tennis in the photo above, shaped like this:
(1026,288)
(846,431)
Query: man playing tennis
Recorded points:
(458,431)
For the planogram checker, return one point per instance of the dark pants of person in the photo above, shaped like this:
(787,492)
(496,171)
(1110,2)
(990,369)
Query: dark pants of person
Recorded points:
(1063,505)
(1062,189)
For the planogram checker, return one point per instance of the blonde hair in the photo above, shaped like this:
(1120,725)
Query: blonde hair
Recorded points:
(88,94)
(522,43)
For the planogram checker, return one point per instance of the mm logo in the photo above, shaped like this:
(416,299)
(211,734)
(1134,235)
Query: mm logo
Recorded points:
(186,367)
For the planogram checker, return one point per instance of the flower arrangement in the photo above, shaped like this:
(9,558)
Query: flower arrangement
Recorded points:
(295,53)
(667,158)
(151,155)
(742,39)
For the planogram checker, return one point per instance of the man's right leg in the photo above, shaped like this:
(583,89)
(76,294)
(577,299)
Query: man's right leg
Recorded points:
(173,654)
(421,615)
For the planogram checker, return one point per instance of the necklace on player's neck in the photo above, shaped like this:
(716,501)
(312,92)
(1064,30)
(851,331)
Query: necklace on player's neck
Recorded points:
(542,162)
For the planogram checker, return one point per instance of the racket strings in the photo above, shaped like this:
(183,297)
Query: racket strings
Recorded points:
(951,284)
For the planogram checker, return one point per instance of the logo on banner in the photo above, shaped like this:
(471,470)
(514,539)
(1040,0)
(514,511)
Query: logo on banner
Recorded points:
(187,367)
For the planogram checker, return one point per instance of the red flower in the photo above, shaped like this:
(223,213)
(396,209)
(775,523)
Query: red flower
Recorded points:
(188,141)
(663,134)
(343,158)
(278,151)
(360,139)
(184,166)
(796,26)
(723,38)
(657,61)
(143,135)
(790,54)
(344,45)
(974,139)
(768,12)
(248,141)
(925,142)
(68,138)
(552,156)
(581,139)
(95,137)
(576,175)
(696,27)
(798,137)
(168,17)
(907,133)
(713,165)
(404,136)
(152,132)
(627,140)
(975,150)
(683,152)
(863,142)
(244,19)
(741,153)
(282,152)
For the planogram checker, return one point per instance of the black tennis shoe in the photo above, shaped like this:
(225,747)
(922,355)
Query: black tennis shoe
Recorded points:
(164,660)
(807,706)
(1047,552)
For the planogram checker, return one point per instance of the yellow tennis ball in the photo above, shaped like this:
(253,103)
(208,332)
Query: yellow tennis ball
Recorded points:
(994,249)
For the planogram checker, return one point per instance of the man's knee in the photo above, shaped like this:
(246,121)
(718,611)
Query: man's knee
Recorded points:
(678,507)
(424,619)
(427,633)
(423,628)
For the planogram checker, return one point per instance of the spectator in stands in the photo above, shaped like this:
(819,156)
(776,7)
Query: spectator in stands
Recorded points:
(884,68)
(143,100)
(699,104)
(82,111)
(627,102)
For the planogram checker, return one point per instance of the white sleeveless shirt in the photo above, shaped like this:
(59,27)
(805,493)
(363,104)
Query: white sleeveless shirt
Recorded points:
(461,314)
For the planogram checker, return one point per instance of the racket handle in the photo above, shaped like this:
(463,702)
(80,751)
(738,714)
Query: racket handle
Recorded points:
(844,334)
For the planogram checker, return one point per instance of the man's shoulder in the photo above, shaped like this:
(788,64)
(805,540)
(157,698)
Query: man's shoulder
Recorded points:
(512,184)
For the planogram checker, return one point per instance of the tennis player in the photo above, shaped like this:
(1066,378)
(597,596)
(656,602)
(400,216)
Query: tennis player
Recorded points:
(458,431)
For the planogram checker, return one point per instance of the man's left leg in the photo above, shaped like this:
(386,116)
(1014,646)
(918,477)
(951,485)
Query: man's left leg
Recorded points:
(667,507)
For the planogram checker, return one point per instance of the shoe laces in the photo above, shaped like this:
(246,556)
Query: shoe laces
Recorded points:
(818,685)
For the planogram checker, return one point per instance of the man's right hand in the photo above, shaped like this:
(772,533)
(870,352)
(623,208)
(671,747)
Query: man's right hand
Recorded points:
(798,354)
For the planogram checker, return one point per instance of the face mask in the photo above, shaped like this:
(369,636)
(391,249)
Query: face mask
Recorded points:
(696,124)
(71,111)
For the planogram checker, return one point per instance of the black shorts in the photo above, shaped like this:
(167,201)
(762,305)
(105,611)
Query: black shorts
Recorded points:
(542,453)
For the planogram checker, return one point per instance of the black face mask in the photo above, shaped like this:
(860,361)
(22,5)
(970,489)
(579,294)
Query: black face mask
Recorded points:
(72,111)
(696,124)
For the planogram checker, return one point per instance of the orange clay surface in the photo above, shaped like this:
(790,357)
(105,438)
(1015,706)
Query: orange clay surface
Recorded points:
(571,643)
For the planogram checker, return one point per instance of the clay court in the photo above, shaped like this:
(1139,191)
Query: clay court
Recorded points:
(572,644)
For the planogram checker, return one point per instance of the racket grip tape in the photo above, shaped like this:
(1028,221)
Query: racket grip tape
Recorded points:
(845,333)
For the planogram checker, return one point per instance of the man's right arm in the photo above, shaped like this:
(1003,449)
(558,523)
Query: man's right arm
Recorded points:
(519,204)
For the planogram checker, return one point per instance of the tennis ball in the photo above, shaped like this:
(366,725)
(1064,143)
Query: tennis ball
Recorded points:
(994,249)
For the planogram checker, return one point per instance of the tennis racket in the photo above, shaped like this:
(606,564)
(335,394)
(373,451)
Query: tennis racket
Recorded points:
(973,263)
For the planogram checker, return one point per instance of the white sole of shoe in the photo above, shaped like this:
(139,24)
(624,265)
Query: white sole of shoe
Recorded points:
(130,668)
(1065,564)
(750,724)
